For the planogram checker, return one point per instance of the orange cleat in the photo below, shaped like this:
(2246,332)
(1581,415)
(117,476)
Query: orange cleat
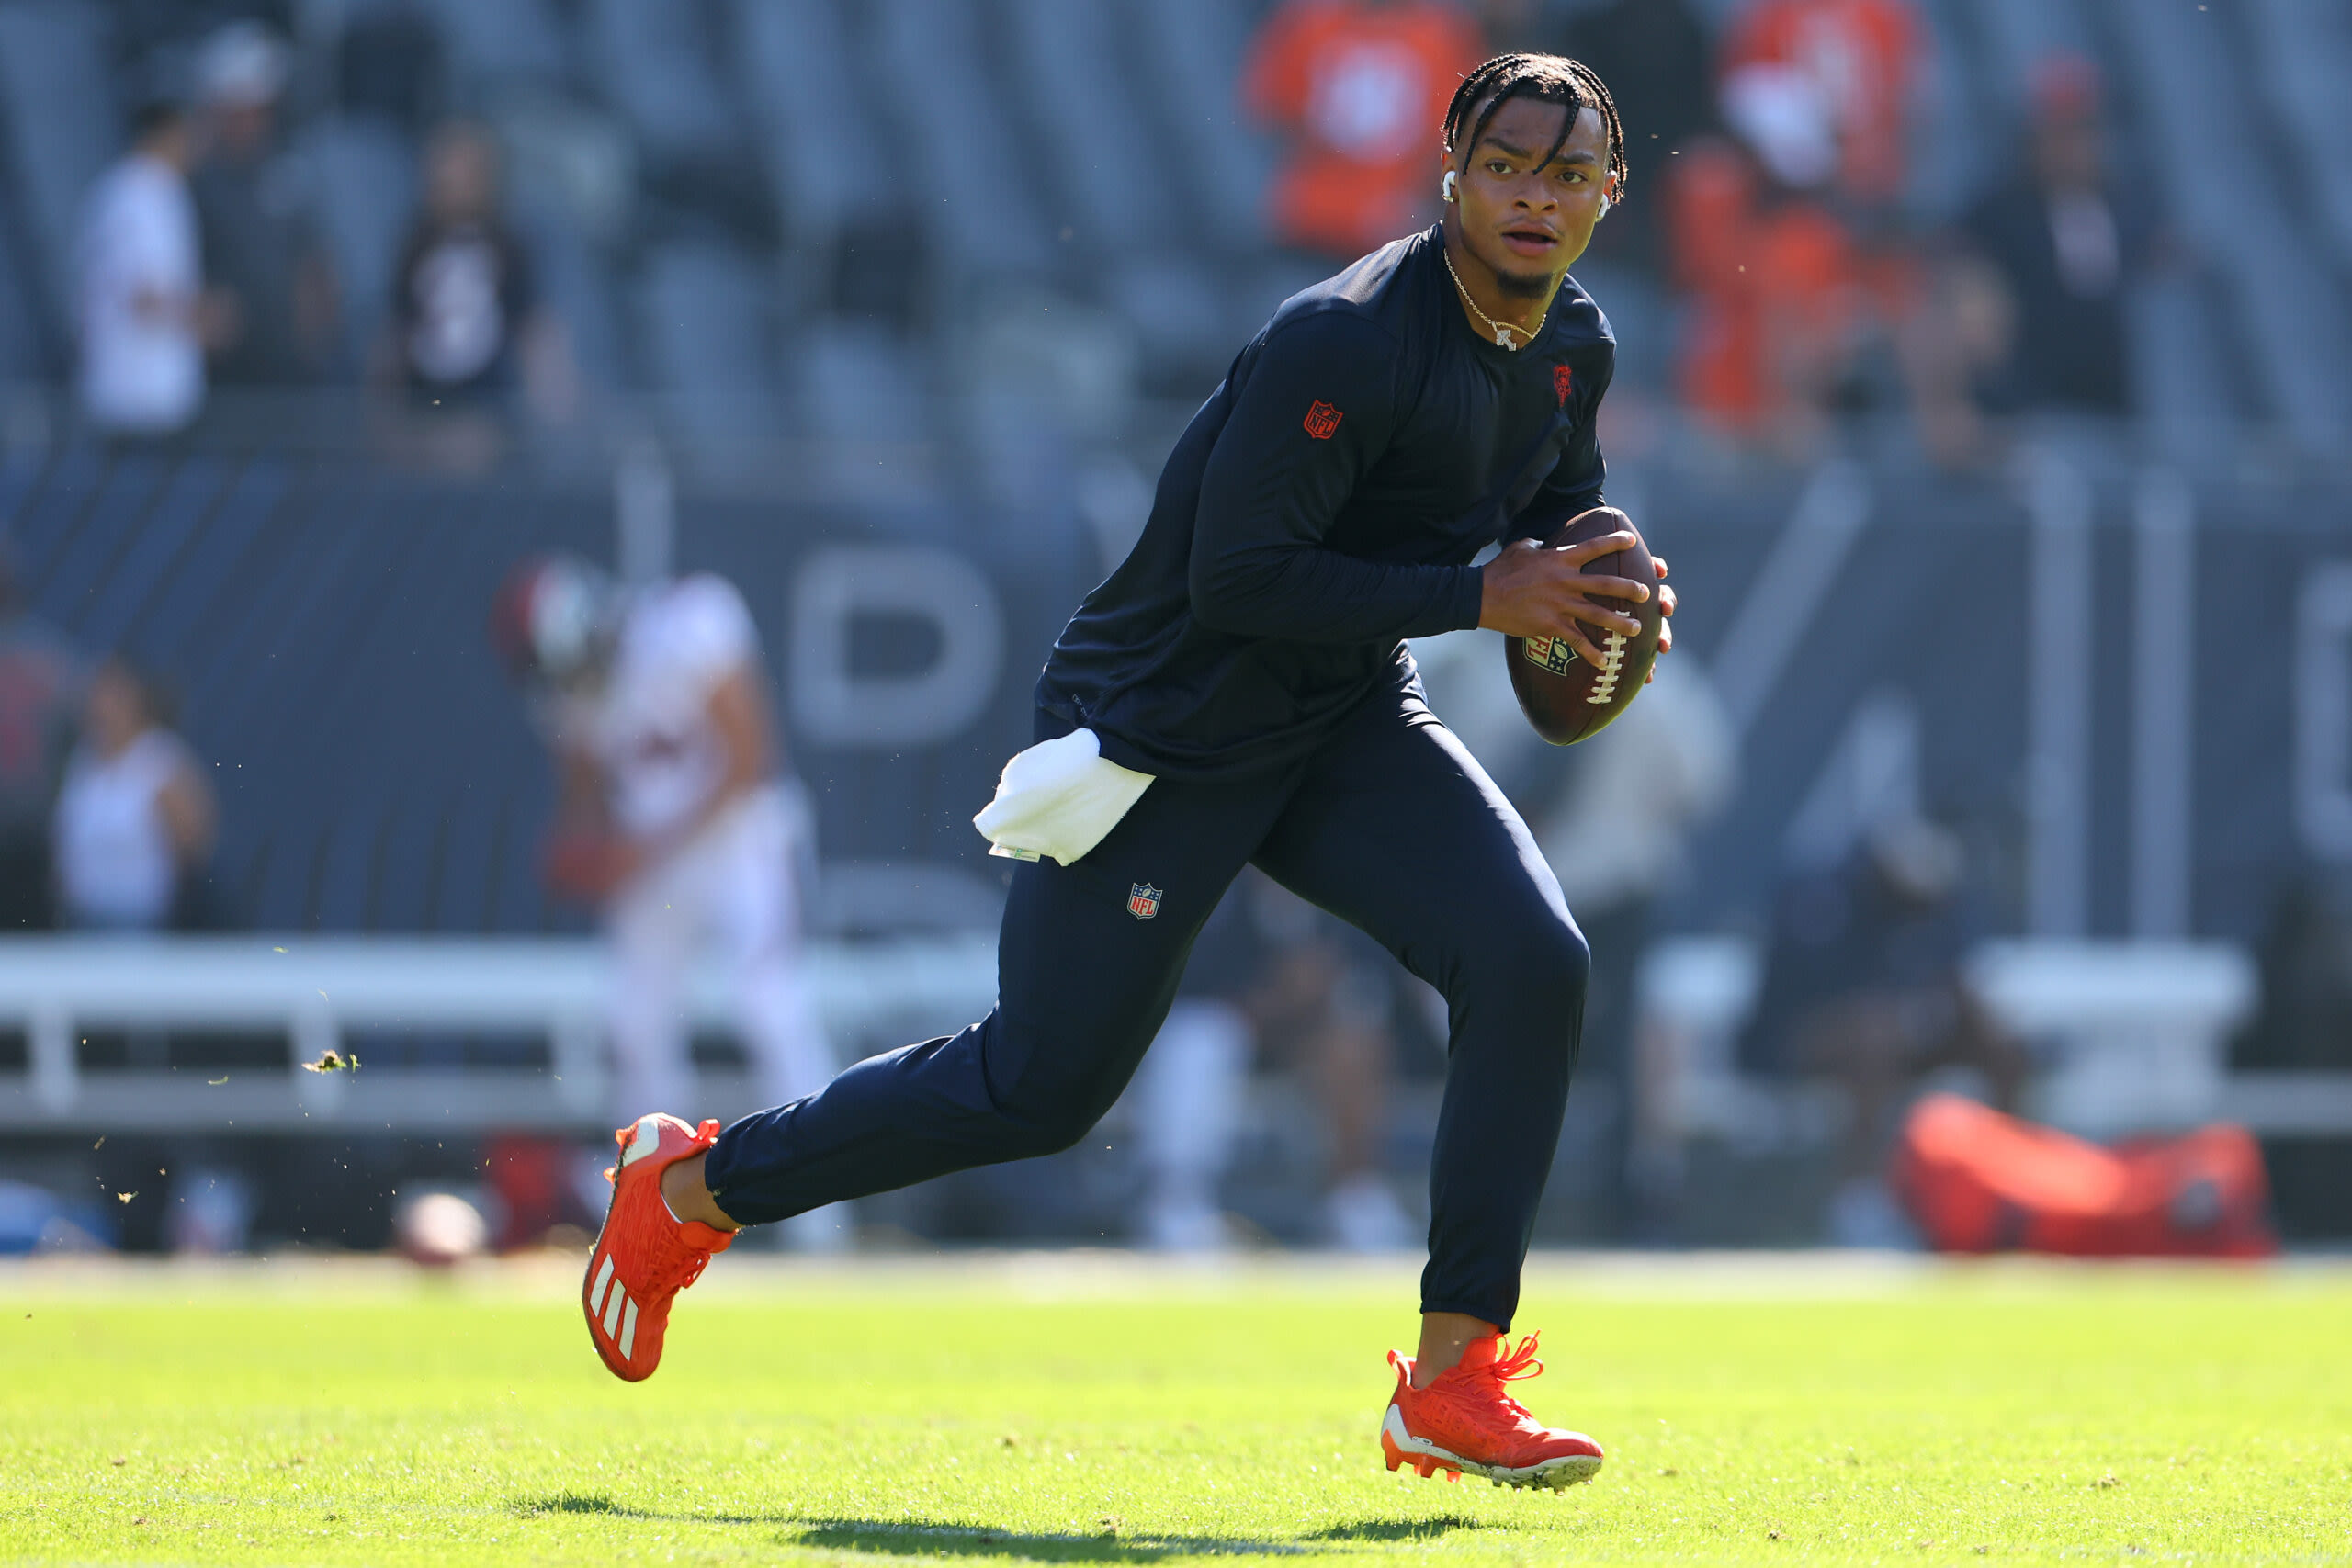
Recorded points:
(644,1255)
(1466,1421)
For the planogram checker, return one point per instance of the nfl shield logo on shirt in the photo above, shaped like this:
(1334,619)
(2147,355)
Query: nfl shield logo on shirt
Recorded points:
(1323,421)
(1143,901)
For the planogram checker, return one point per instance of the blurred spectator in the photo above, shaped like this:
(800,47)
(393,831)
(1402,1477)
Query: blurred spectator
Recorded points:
(1798,255)
(1324,1000)
(1187,1094)
(467,329)
(1270,969)
(1654,56)
(1957,351)
(1360,87)
(135,817)
(145,319)
(2304,1025)
(2066,242)
(262,246)
(40,690)
(2026,311)
(1862,985)
(2305,954)
(1863,57)
(676,816)
(1772,280)
(1617,838)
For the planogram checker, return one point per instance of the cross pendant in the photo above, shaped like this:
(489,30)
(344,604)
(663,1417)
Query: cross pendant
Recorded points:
(1502,338)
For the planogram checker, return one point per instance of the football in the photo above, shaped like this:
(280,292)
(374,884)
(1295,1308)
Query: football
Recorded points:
(1564,698)
(437,1229)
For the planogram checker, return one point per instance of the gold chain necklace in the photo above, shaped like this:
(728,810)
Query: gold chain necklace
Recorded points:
(1502,331)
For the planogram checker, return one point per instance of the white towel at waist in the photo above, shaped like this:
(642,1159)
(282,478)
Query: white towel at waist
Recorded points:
(1057,799)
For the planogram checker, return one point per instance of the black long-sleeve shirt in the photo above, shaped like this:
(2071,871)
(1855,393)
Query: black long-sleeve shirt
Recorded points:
(1324,504)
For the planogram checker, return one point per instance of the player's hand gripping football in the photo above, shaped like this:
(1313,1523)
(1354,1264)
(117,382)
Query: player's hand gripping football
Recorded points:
(1529,591)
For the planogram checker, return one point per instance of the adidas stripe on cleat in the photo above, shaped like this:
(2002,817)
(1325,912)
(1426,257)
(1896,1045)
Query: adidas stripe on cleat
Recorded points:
(1466,1422)
(644,1255)
(619,1318)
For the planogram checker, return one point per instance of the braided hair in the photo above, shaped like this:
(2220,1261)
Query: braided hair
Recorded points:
(1547,78)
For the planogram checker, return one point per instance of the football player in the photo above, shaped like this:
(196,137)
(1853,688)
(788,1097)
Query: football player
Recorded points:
(675,815)
(1239,692)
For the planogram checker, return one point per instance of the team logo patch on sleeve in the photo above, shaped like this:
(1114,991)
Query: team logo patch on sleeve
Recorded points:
(1564,381)
(1322,421)
(1143,901)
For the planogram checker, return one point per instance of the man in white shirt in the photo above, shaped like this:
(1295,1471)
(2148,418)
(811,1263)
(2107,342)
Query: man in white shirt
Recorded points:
(144,316)
(674,814)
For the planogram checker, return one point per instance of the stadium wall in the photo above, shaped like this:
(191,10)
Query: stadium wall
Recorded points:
(1867,628)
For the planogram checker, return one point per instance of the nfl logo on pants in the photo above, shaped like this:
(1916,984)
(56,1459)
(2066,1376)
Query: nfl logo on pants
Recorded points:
(1143,901)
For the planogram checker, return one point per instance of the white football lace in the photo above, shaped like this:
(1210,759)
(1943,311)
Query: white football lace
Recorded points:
(1612,662)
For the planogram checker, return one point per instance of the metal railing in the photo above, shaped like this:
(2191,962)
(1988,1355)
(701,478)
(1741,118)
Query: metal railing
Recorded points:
(320,992)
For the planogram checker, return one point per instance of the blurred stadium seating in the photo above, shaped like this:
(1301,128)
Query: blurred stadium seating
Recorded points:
(757,135)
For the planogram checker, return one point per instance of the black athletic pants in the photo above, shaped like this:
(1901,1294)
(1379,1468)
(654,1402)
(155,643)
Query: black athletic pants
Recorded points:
(1390,825)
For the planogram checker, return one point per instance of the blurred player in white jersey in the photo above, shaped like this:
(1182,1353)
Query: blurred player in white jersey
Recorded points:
(675,815)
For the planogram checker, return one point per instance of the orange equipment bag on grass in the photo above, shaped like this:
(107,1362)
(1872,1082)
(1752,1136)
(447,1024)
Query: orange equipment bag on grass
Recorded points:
(1976,1180)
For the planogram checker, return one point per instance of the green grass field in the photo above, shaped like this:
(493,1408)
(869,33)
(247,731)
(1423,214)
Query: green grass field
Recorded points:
(1102,1411)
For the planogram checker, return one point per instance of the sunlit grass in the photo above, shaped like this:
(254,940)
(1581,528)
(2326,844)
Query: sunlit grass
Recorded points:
(1101,1411)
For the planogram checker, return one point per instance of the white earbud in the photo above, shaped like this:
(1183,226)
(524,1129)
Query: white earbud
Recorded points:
(1605,205)
(1445,186)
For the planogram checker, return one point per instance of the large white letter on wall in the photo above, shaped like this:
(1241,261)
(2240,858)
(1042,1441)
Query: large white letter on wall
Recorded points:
(834,705)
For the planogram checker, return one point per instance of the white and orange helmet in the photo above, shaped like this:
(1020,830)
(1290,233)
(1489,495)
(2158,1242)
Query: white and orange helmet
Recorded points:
(555,619)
